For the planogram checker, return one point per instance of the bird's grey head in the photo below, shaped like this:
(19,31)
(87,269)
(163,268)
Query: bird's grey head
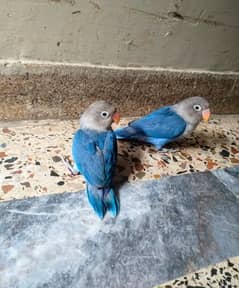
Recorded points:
(193,110)
(99,116)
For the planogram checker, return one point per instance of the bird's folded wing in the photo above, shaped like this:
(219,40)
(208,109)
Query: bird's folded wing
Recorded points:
(88,158)
(162,123)
(93,159)
(110,155)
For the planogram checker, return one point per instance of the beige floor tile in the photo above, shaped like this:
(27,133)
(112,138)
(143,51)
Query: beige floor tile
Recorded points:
(30,152)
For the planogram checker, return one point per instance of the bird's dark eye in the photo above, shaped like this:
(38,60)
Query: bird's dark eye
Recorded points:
(104,114)
(197,107)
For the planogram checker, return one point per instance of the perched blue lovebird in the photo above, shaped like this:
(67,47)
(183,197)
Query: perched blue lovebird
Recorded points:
(168,123)
(94,151)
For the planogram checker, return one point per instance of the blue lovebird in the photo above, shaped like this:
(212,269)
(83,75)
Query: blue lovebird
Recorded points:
(94,151)
(168,123)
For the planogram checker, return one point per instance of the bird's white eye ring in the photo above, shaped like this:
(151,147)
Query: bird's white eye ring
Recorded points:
(104,114)
(197,107)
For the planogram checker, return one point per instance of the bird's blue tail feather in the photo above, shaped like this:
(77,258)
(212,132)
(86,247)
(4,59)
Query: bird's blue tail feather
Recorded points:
(111,202)
(125,133)
(95,197)
(102,199)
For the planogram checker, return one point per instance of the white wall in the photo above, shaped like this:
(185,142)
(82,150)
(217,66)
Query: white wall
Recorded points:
(123,33)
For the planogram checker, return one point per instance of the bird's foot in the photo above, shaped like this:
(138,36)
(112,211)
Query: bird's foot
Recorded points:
(73,171)
(168,150)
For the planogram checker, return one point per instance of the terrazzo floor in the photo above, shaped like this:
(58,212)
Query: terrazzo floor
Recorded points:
(30,155)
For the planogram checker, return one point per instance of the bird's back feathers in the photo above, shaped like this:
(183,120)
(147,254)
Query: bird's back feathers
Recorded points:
(163,123)
(95,157)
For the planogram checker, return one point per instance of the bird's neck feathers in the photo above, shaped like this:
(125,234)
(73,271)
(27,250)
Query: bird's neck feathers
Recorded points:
(87,123)
(189,119)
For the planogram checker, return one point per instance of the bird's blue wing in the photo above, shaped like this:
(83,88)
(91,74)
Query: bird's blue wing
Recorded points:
(94,155)
(163,123)
(88,158)
(110,154)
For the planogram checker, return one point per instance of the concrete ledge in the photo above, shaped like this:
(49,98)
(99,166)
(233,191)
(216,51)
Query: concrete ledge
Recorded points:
(38,91)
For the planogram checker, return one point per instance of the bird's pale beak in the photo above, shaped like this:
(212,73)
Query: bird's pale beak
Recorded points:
(206,115)
(116,117)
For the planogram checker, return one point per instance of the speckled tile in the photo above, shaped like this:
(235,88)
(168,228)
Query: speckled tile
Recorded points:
(30,152)
(223,275)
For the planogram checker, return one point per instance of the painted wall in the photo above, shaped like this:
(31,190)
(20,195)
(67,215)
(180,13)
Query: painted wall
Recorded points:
(180,34)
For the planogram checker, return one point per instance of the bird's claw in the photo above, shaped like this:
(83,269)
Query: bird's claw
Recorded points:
(168,150)
(70,168)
